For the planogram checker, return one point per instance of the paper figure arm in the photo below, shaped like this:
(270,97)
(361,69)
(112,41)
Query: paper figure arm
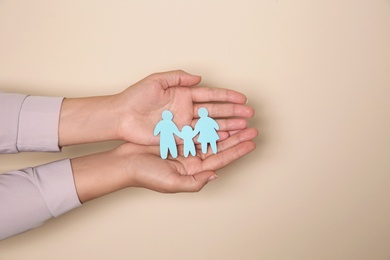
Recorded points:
(180,134)
(216,126)
(157,130)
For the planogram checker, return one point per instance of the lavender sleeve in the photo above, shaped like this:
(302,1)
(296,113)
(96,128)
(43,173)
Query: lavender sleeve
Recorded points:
(29,123)
(30,196)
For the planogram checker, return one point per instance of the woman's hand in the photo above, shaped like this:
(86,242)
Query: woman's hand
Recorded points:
(140,106)
(133,165)
(133,114)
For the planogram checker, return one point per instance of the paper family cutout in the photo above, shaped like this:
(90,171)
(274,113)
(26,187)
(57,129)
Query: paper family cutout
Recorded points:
(206,127)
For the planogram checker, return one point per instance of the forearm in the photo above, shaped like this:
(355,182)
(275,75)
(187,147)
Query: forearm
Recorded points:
(99,174)
(30,196)
(86,120)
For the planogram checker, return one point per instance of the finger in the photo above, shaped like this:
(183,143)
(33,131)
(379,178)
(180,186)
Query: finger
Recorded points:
(230,124)
(175,78)
(191,183)
(223,135)
(227,139)
(233,132)
(226,110)
(227,127)
(203,94)
(241,136)
(220,160)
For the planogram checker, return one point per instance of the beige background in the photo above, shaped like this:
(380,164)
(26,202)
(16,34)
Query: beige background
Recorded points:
(318,74)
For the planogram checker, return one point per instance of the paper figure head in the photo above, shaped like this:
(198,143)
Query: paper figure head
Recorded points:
(186,129)
(202,112)
(167,115)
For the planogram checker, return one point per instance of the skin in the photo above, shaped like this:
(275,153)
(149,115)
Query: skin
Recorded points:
(131,116)
(134,165)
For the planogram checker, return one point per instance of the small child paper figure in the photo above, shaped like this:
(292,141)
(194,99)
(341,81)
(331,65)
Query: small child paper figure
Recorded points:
(166,128)
(187,134)
(207,129)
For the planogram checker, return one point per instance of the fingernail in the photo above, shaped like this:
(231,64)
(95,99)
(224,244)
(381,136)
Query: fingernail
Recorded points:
(211,178)
(247,101)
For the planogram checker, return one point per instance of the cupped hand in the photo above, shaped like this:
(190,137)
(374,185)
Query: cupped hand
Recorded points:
(140,106)
(146,169)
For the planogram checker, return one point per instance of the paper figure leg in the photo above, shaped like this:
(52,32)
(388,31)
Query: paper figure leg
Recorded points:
(214,147)
(173,151)
(189,148)
(163,151)
(193,151)
(204,147)
(186,152)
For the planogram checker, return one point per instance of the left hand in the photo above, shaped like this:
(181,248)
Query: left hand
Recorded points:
(134,165)
(139,107)
(183,174)
(132,114)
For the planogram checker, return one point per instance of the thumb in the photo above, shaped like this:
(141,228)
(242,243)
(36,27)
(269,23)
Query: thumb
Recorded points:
(194,183)
(176,78)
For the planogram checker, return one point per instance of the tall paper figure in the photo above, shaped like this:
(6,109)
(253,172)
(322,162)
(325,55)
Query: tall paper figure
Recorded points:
(166,128)
(207,129)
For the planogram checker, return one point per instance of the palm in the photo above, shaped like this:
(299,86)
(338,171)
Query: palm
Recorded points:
(158,174)
(143,103)
(147,113)
(185,173)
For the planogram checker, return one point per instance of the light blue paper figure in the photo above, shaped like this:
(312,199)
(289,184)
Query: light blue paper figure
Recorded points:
(207,129)
(166,128)
(187,134)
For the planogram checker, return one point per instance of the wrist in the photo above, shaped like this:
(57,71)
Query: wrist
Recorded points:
(85,120)
(99,174)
